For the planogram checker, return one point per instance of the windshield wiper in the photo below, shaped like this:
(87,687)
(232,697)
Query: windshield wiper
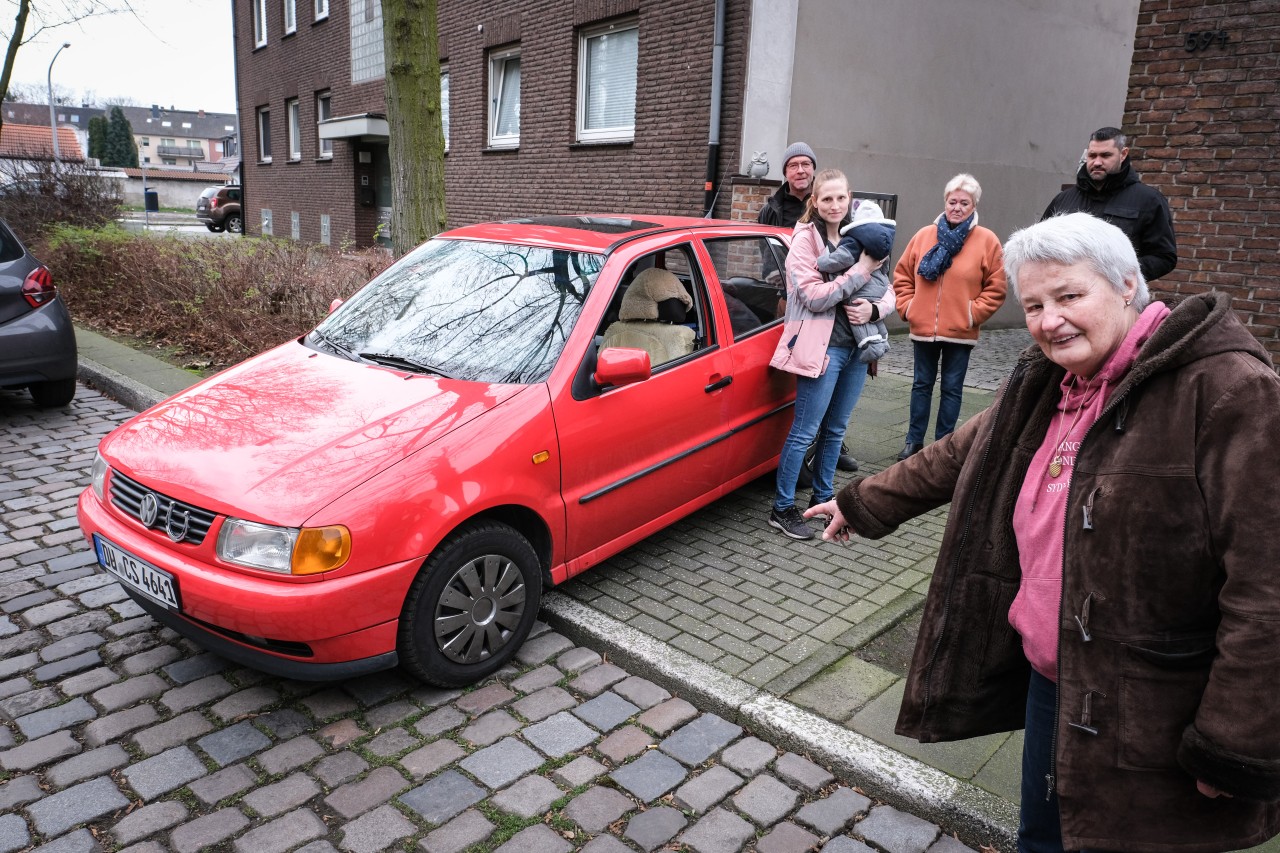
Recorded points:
(392,360)
(338,348)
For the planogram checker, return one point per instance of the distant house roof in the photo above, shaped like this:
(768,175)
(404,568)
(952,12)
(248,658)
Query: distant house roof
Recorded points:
(32,142)
(36,114)
(157,121)
(145,121)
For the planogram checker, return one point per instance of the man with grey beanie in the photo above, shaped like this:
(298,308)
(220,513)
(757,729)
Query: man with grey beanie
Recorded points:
(784,207)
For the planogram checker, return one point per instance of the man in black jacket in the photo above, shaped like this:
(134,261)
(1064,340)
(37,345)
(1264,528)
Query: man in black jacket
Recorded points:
(784,207)
(1107,187)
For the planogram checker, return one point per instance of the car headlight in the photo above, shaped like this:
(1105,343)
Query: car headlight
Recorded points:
(288,550)
(99,476)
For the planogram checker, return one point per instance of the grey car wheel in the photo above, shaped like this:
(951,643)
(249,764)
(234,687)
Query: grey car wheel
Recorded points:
(235,224)
(471,606)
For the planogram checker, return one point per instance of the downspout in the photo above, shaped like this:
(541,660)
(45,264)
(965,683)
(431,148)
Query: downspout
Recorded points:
(713,142)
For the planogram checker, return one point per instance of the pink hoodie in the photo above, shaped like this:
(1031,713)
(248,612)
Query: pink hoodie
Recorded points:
(1039,518)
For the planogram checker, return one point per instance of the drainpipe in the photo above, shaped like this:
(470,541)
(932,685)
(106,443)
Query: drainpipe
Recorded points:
(713,143)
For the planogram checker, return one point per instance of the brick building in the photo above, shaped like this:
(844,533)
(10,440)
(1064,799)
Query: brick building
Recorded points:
(330,68)
(1204,109)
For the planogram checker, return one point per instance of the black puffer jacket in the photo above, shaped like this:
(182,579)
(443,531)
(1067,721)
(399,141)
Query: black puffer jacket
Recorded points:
(782,210)
(1138,210)
(1170,618)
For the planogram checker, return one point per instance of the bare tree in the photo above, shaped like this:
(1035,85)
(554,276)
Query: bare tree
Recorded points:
(412,51)
(33,17)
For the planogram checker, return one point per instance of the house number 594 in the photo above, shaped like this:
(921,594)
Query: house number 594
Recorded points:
(1203,39)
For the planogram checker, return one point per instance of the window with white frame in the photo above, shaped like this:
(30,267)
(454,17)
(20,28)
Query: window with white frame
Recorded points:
(259,23)
(504,98)
(290,16)
(293,128)
(264,135)
(324,111)
(444,103)
(322,9)
(607,57)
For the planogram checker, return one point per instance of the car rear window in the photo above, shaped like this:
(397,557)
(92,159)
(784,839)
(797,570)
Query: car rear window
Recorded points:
(10,248)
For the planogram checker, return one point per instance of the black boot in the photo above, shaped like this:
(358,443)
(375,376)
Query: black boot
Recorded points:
(909,449)
(846,462)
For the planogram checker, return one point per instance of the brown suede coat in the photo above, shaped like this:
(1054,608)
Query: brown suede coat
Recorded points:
(1170,616)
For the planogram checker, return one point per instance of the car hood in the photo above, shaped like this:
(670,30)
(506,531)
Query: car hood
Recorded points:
(280,436)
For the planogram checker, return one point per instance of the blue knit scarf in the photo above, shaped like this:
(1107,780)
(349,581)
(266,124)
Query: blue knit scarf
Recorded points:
(950,240)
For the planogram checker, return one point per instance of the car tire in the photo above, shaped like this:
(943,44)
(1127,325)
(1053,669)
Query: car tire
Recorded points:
(234,224)
(805,478)
(454,630)
(214,228)
(53,394)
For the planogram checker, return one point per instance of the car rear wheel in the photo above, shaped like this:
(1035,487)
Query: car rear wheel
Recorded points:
(54,393)
(235,224)
(471,606)
(214,228)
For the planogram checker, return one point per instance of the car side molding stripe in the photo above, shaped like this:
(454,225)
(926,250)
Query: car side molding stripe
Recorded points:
(631,478)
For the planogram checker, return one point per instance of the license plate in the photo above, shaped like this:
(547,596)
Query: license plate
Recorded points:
(156,584)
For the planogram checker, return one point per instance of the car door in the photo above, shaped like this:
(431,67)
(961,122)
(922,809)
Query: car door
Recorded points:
(747,270)
(637,457)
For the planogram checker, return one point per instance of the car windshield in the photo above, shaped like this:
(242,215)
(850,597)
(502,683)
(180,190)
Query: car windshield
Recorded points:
(482,312)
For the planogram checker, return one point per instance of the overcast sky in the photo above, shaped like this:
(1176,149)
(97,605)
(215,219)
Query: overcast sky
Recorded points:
(176,53)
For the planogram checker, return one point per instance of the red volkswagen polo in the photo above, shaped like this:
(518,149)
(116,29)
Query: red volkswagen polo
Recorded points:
(399,485)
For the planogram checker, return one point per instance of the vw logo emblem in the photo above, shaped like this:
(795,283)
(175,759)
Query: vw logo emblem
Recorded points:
(149,510)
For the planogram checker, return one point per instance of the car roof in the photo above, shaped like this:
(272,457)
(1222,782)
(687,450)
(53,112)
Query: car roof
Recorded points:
(587,233)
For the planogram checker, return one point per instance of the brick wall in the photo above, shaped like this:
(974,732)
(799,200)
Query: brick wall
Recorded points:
(663,170)
(1206,125)
(749,195)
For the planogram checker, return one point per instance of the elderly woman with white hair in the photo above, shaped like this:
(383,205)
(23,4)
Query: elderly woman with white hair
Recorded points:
(949,281)
(1107,578)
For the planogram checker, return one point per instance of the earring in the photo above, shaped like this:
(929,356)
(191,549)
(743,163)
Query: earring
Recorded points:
(1126,302)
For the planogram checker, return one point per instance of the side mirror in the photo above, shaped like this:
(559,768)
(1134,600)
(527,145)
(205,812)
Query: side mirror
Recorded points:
(621,366)
(333,306)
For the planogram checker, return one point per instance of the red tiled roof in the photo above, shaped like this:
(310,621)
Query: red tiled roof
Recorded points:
(31,142)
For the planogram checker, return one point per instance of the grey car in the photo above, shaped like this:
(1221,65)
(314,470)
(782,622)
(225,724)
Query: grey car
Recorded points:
(37,341)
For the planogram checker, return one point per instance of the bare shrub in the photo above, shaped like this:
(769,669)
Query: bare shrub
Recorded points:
(36,195)
(216,302)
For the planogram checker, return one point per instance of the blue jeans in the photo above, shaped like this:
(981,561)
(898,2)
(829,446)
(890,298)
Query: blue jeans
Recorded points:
(824,405)
(955,363)
(1039,829)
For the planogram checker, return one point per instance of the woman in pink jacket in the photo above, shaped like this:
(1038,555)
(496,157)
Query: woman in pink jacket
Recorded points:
(817,345)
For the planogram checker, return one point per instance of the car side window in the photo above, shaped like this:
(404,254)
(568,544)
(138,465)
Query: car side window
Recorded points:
(660,306)
(750,274)
(233,195)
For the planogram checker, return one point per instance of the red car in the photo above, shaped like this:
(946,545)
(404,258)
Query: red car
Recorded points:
(399,485)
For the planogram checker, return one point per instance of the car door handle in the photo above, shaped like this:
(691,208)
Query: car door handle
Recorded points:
(717,385)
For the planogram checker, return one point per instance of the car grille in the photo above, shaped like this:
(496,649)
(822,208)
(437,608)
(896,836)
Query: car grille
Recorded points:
(172,516)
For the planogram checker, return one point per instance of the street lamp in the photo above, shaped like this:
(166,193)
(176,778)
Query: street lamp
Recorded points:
(53,119)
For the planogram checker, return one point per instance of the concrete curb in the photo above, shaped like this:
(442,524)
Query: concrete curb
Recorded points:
(117,386)
(981,818)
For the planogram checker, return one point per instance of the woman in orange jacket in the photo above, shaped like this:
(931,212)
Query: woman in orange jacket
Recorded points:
(949,281)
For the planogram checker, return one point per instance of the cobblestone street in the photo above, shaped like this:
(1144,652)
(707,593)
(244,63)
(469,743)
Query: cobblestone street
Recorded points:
(115,734)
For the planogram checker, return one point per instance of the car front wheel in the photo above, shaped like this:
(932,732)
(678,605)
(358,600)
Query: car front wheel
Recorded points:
(471,606)
(235,224)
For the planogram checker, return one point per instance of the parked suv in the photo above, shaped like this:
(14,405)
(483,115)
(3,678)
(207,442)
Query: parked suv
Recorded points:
(219,209)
